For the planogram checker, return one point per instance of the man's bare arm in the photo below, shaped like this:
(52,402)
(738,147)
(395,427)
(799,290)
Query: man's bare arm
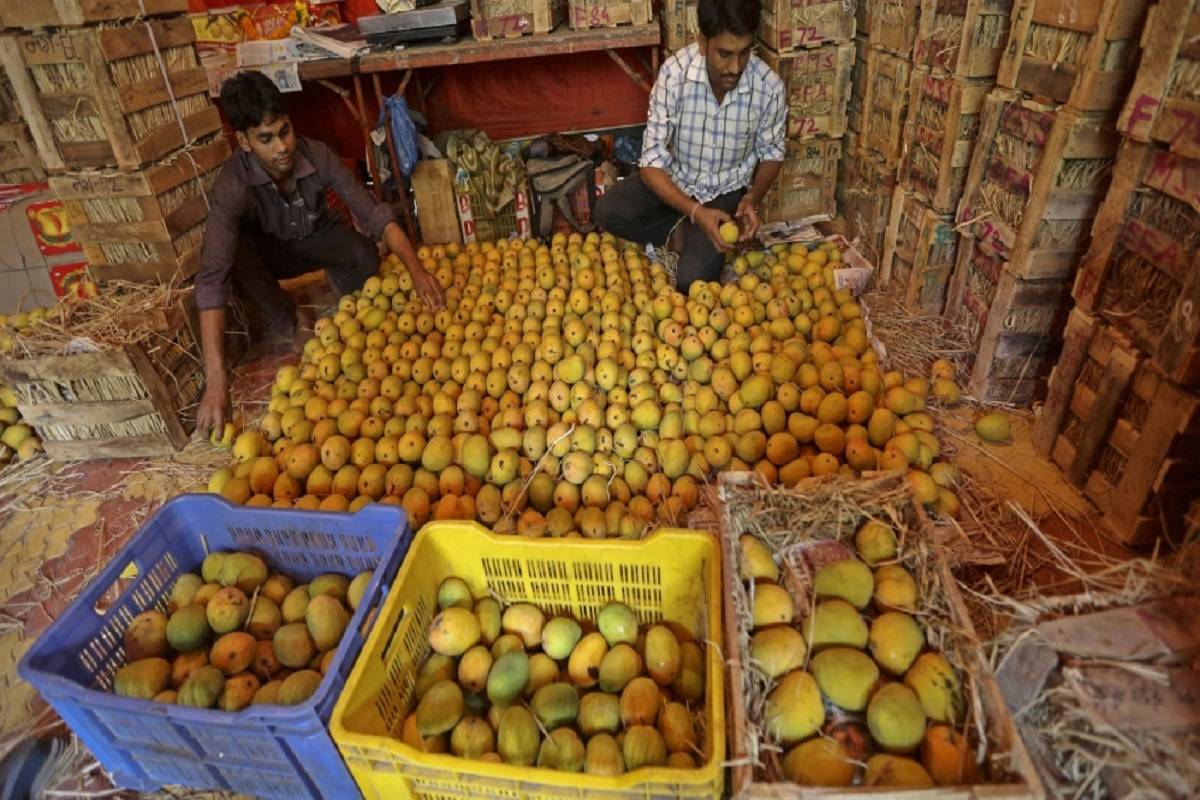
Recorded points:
(213,412)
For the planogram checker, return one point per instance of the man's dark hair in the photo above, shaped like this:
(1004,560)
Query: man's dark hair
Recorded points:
(739,17)
(250,97)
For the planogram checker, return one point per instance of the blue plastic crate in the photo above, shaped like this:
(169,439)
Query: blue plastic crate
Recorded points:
(268,751)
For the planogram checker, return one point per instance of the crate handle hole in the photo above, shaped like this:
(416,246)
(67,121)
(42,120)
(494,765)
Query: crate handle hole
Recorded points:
(387,646)
(113,593)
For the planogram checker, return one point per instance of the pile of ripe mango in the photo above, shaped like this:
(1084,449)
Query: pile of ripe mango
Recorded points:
(603,696)
(16,438)
(237,635)
(568,389)
(854,681)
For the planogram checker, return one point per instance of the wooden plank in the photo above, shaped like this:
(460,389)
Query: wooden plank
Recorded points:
(957,47)
(82,366)
(1111,390)
(433,189)
(888,83)
(147,446)
(896,25)
(76,413)
(786,26)
(26,96)
(1082,83)
(585,14)
(164,400)
(1162,41)
(58,13)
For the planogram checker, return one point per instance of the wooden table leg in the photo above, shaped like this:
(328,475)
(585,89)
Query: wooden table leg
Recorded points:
(365,124)
(628,70)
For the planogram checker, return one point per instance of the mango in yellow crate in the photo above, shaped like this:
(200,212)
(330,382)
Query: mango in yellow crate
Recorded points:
(583,667)
(640,702)
(662,655)
(559,637)
(453,631)
(436,668)
(599,712)
(440,708)
(555,704)
(643,746)
(487,611)
(518,737)
(526,621)
(472,737)
(676,728)
(620,665)
(603,756)
(617,623)
(508,677)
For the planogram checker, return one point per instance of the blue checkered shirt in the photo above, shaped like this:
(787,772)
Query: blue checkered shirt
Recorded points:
(707,148)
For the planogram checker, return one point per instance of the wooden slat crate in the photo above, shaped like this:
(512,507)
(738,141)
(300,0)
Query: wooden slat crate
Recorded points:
(1145,467)
(143,226)
(505,19)
(786,25)
(774,516)
(869,188)
(678,24)
(1083,53)
(1142,271)
(19,162)
(896,25)
(807,183)
(919,252)
(587,14)
(940,133)
(964,38)
(1163,104)
(817,83)
(115,404)
(37,14)
(96,97)
(1014,323)
(1038,174)
(885,104)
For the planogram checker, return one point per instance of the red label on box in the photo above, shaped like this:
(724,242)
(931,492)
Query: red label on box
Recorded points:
(66,277)
(51,228)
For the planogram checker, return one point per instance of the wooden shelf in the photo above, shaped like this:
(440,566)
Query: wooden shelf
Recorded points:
(469,51)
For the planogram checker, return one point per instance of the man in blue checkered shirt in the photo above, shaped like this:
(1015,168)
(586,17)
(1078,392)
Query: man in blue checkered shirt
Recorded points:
(714,143)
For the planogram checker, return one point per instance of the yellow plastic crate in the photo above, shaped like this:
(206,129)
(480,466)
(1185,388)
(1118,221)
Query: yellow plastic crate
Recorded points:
(672,576)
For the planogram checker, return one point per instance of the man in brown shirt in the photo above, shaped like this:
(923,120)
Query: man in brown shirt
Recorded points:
(269,220)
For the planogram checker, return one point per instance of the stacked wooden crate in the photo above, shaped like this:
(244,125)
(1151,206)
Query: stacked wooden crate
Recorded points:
(19,162)
(811,46)
(114,98)
(1122,413)
(955,54)
(1047,145)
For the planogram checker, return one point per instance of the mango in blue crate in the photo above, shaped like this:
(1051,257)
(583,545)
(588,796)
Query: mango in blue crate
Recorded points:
(299,686)
(294,646)
(184,591)
(326,619)
(146,636)
(238,692)
(188,628)
(143,679)
(227,610)
(245,571)
(331,584)
(233,653)
(202,688)
(184,664)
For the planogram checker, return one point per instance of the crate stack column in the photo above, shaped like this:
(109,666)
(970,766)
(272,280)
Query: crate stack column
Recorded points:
(887,35)
(955,59)
(1046,147)
(811,46)
(119,112)
(1122,413)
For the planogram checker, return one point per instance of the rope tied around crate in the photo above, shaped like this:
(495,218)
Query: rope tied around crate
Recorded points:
(166,76)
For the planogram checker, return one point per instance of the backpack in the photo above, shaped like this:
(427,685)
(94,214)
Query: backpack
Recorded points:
(553,181)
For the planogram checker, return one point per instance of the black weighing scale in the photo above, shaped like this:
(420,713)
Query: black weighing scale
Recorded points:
(444,20)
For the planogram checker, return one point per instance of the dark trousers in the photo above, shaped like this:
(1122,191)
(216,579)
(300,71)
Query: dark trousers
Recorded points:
(347,257)
(630,210)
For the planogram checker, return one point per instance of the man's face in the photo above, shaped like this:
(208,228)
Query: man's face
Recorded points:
(273,143)
(726,56)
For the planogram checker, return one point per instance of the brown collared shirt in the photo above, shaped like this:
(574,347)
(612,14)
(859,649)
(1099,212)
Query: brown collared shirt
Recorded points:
(244,194)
